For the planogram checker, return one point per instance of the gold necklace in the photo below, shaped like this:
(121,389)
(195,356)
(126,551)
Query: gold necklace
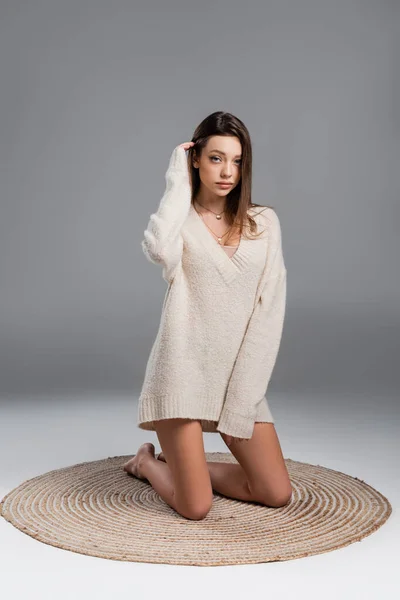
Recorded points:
(217,215)
(218,238)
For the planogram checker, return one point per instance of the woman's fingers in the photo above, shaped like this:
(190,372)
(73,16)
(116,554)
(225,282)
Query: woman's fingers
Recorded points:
(186,145)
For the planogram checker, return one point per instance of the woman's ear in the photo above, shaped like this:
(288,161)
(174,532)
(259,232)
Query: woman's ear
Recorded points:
(195,160)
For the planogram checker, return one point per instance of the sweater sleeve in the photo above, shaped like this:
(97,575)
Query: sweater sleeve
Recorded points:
(259,349)
(163,243)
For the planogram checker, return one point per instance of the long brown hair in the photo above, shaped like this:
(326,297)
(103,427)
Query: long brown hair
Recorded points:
(238,201)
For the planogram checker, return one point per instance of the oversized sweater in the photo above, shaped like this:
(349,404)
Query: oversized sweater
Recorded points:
(222,317)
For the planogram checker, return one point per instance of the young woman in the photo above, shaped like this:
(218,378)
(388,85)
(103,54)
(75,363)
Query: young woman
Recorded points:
(220,329)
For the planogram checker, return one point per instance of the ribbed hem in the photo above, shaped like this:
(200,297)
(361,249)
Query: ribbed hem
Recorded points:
(214,416)
(264,414)
(177,406)
(235,424)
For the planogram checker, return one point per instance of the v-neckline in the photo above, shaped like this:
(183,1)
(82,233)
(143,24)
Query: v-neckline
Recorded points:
(229,266)
(219,246)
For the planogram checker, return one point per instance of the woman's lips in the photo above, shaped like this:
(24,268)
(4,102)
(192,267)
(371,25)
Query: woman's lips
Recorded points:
(224,185)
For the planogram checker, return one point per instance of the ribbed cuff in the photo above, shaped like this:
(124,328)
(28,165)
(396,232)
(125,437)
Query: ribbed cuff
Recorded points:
(235,424)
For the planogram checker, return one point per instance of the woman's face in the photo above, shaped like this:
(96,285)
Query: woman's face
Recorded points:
(220,161)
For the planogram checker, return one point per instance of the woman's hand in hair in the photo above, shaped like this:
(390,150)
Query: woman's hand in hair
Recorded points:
(187,145)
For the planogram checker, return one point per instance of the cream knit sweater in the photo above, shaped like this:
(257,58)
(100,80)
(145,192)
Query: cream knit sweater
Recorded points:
(222,317)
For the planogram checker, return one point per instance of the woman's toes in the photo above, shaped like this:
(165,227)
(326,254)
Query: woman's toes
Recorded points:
(134,465)
(130,465)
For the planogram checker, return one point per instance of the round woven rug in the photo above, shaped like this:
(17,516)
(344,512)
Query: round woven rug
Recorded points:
(97,509)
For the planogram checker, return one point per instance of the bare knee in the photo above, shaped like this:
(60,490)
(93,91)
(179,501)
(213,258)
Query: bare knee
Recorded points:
(182,443)
(275,499)
(195,511)
(280,501)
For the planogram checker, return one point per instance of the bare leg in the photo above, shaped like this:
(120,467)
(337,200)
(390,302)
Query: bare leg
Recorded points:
(260,474)
(226,479)
(145,466)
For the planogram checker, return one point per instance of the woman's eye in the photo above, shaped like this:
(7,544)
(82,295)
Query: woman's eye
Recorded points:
(239,161)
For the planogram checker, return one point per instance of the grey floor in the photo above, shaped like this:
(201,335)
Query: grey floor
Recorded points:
(355,434)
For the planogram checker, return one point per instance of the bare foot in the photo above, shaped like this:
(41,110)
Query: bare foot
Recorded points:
(161,457)
(135,464)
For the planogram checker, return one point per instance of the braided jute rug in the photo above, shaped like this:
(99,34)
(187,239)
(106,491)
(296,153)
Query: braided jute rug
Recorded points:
(97,509)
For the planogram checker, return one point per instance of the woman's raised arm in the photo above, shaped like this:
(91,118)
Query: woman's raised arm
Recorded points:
(162,243)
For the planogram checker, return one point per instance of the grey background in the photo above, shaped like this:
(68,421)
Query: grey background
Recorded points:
(95,96)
